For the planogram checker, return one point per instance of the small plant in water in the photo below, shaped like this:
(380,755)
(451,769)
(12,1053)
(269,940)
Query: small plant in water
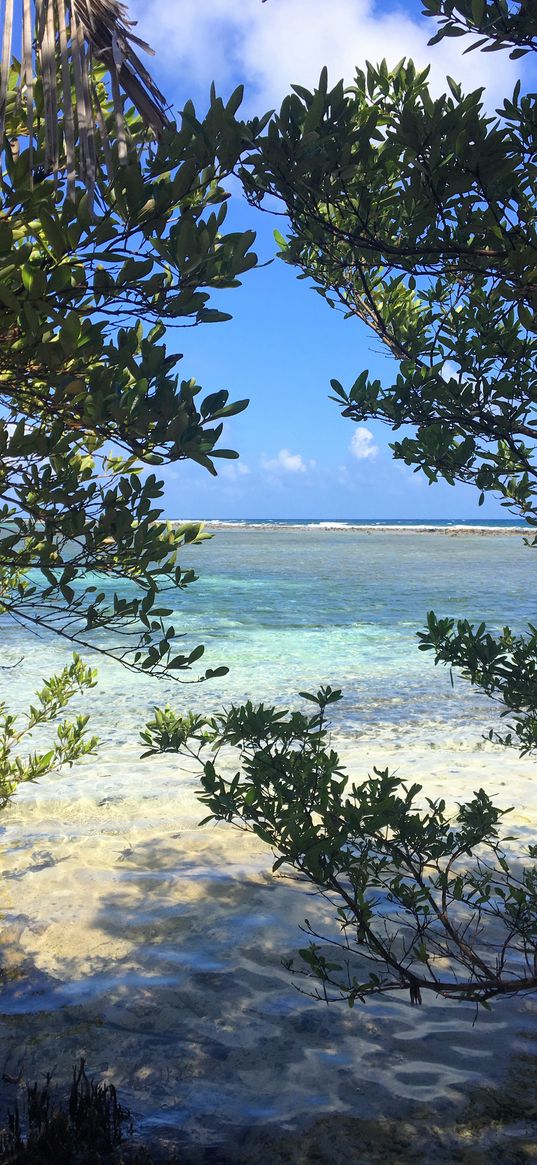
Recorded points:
(88,1129)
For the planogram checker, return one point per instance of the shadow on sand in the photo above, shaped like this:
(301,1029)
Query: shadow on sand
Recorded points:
(176,995)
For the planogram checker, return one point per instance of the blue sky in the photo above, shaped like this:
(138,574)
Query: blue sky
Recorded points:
(298,456)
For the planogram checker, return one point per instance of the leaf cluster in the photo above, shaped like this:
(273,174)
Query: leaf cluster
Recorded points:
(68,742)
(498,24)
(416,215)
(424,899)
(504,667)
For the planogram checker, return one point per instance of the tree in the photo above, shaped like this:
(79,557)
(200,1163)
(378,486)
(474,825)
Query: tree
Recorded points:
(417,216)
(89,278)
(90,399)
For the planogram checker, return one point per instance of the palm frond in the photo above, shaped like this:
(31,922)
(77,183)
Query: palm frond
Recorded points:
(58,41)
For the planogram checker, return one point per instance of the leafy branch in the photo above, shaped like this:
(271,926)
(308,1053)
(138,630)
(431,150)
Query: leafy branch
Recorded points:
(69,743)
(423,899)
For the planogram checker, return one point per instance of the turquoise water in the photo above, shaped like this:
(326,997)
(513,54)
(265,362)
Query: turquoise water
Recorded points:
(154,947)
(290,608)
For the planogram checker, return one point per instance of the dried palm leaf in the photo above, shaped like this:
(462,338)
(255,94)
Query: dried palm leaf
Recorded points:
(4,64)
(68,116)
(69,35)
(27,75)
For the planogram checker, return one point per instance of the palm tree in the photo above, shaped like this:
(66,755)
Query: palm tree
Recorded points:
(60,40)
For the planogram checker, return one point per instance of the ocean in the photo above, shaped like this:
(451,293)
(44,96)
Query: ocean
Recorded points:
(154,947)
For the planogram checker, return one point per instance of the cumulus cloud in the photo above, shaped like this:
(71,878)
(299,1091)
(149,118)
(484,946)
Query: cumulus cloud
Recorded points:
(286,462)
(271,46)
(362,445)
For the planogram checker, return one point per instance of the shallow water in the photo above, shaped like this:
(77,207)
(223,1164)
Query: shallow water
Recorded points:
(154,947)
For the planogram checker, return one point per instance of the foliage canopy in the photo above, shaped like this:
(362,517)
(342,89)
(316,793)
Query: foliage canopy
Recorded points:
(89,392)
(90,395)
(417,216)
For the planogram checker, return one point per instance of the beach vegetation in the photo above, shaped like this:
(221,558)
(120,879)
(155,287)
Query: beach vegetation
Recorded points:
(70,738)
(416,215)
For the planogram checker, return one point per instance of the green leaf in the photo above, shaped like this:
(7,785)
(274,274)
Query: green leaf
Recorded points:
(478,11)
(6,236)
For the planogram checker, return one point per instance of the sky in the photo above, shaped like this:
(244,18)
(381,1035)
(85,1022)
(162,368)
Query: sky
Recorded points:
(298,457)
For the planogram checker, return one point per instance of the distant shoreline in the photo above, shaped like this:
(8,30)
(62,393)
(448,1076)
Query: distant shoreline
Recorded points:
(454,530)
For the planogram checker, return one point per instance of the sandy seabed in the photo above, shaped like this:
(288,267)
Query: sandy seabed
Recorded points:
(153,948)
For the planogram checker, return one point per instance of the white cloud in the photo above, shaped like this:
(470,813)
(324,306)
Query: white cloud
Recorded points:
(286,462)
(362,444)
(234,470)
(270,46)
